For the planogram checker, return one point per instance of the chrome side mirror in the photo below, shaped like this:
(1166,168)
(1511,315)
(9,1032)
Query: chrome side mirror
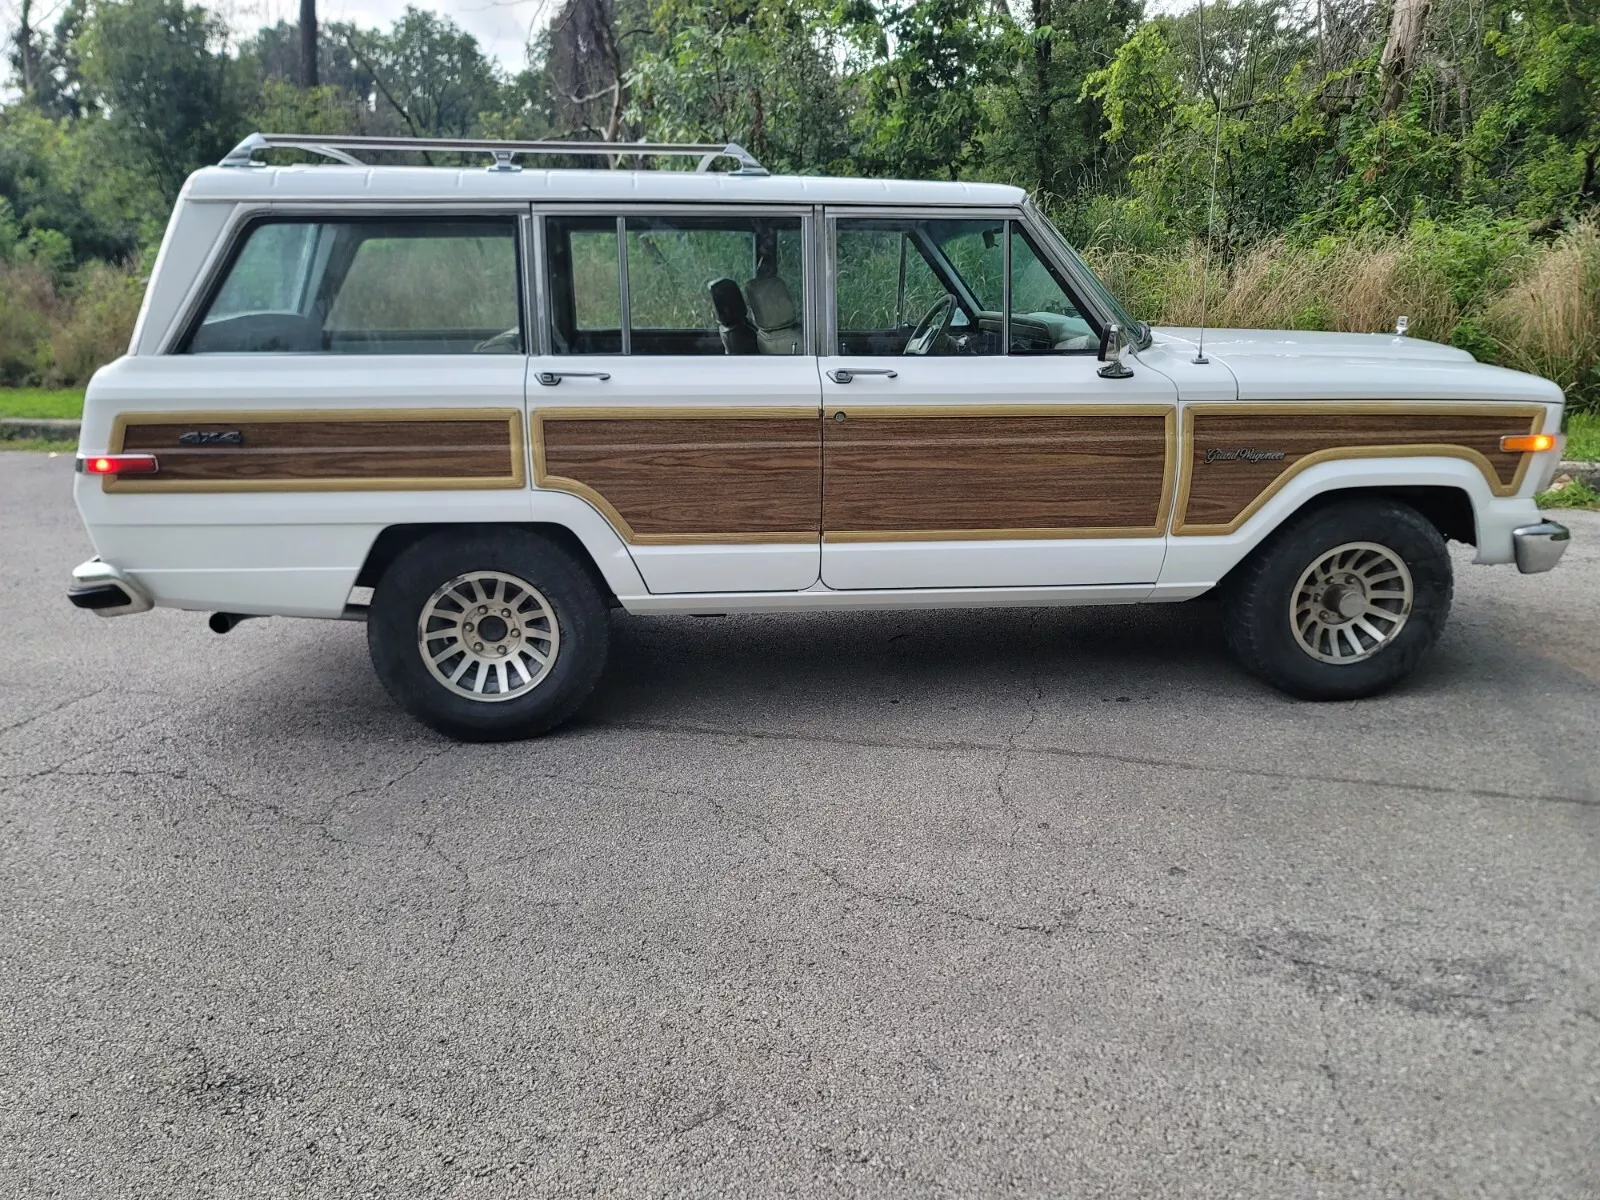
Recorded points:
(1112,344)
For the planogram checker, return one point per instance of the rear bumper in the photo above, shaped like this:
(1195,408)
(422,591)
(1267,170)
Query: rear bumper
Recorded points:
(1540,547)
(106,591)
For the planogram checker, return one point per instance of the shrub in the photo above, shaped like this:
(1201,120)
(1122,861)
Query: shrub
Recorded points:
(29,309)
(104,305)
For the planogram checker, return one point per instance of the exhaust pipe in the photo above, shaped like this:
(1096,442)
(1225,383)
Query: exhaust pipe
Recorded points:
(223,622)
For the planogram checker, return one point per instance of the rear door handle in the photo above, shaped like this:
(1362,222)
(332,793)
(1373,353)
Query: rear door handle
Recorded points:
(846,374)
(552,378)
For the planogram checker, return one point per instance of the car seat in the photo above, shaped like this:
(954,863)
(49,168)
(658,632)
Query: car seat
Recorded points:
(777,321)
(733,317)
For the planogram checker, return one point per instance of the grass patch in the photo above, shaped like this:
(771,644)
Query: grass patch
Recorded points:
(39,444)
(1583,437)
(64,403)
(1574,493)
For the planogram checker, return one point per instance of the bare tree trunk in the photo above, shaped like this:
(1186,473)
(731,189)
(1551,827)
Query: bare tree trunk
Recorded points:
(1402,51)
(25,48)
(308,43)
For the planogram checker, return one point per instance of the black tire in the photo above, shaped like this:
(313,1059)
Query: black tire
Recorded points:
(411,581)
(1256,599)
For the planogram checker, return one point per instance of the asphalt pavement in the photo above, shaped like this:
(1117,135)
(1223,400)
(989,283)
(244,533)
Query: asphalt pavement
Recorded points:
(936,904)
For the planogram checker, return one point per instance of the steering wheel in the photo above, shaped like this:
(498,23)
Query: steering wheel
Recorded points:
(931,332)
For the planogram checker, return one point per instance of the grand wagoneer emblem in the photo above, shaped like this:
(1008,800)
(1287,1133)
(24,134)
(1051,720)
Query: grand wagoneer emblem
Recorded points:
(1242,454)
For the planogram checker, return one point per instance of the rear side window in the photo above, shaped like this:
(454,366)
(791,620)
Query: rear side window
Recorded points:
(426,286)
(731,284)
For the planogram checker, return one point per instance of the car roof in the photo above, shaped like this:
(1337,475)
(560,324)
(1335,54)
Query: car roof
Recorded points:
(293,184)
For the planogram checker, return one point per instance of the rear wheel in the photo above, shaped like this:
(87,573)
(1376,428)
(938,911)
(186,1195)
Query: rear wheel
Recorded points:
(1342,603)
(489,636)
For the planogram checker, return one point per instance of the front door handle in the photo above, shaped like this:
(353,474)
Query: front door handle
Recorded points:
(551,378)
(846,374)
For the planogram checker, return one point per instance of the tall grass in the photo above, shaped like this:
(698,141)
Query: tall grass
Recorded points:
(1532,306)
(56,332)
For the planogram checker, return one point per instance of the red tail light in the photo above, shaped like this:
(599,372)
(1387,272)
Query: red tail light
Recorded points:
(117,464)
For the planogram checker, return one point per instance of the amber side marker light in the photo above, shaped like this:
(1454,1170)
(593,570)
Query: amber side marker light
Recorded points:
(1528,443)
(117,464)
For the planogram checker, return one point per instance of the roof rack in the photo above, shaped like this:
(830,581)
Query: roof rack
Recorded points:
(338,148)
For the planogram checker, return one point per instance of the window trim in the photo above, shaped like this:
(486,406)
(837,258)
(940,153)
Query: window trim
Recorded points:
(248,218)
(805,213)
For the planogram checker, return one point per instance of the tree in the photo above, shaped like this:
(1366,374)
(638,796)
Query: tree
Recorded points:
(430,72)
(308,43)
(171,92)
(761,74)
(923,115)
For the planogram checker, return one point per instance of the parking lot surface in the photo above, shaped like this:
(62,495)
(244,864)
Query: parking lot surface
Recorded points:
(1022,903)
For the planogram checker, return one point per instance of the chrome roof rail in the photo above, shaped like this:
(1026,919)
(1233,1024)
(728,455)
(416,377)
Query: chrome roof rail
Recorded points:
(338,148)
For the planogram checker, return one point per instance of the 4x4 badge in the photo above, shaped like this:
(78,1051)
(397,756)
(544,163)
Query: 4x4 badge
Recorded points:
(201,437)
(1242,454)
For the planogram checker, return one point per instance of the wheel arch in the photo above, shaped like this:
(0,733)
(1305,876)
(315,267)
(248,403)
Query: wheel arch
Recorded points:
(394,540)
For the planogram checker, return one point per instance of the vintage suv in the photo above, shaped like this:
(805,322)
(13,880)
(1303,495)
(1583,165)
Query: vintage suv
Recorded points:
(477,408)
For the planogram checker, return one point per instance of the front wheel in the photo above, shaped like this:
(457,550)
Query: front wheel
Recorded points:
(1342,603)
(488,636)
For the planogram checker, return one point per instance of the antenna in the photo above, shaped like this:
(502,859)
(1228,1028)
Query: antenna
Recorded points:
(1211,211)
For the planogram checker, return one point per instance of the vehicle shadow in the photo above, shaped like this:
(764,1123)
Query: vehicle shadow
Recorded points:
(676,665)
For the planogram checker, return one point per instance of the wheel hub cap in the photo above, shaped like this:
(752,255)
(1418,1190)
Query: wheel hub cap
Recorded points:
(488,636)
(1351,602)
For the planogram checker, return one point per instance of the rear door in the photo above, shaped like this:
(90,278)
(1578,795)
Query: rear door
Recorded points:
(676,389)
(968,437)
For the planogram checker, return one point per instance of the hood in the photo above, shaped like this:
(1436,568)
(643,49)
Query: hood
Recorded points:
(1291,365)
(1229,344)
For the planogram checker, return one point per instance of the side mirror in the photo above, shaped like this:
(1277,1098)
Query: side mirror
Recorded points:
(1112,344)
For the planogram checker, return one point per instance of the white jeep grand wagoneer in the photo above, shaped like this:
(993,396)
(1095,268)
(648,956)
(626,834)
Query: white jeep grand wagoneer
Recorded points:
(477,408)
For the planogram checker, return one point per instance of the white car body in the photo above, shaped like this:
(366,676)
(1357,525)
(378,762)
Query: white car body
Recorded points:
(301,551)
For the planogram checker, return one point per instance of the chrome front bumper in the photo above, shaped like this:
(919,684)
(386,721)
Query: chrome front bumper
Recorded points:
(106,591)
(1540,547)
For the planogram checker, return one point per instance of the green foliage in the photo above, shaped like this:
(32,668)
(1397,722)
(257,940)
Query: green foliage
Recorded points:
(923,115)
(432,72)
(172,95)
(1583,437)
(1575,493)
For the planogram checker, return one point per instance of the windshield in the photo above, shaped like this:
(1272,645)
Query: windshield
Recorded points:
(1138,331)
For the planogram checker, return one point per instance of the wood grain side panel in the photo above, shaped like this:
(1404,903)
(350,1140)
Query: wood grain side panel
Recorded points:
(1222,490)
(331,450)
(1007,474)
(322,450)
(694,478)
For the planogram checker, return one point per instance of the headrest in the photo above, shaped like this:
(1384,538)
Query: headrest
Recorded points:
(771,305)
(728,302)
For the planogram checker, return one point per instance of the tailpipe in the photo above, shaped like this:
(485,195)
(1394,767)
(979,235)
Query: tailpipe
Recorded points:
(223,622)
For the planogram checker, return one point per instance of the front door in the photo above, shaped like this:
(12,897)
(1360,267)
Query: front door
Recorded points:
(968,437)
(678,391)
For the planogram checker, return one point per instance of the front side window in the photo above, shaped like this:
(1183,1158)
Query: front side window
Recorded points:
(919,286)
(679,285)
(916,286)
(368,286)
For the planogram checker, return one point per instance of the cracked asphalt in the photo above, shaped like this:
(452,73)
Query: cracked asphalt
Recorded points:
(892,905)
